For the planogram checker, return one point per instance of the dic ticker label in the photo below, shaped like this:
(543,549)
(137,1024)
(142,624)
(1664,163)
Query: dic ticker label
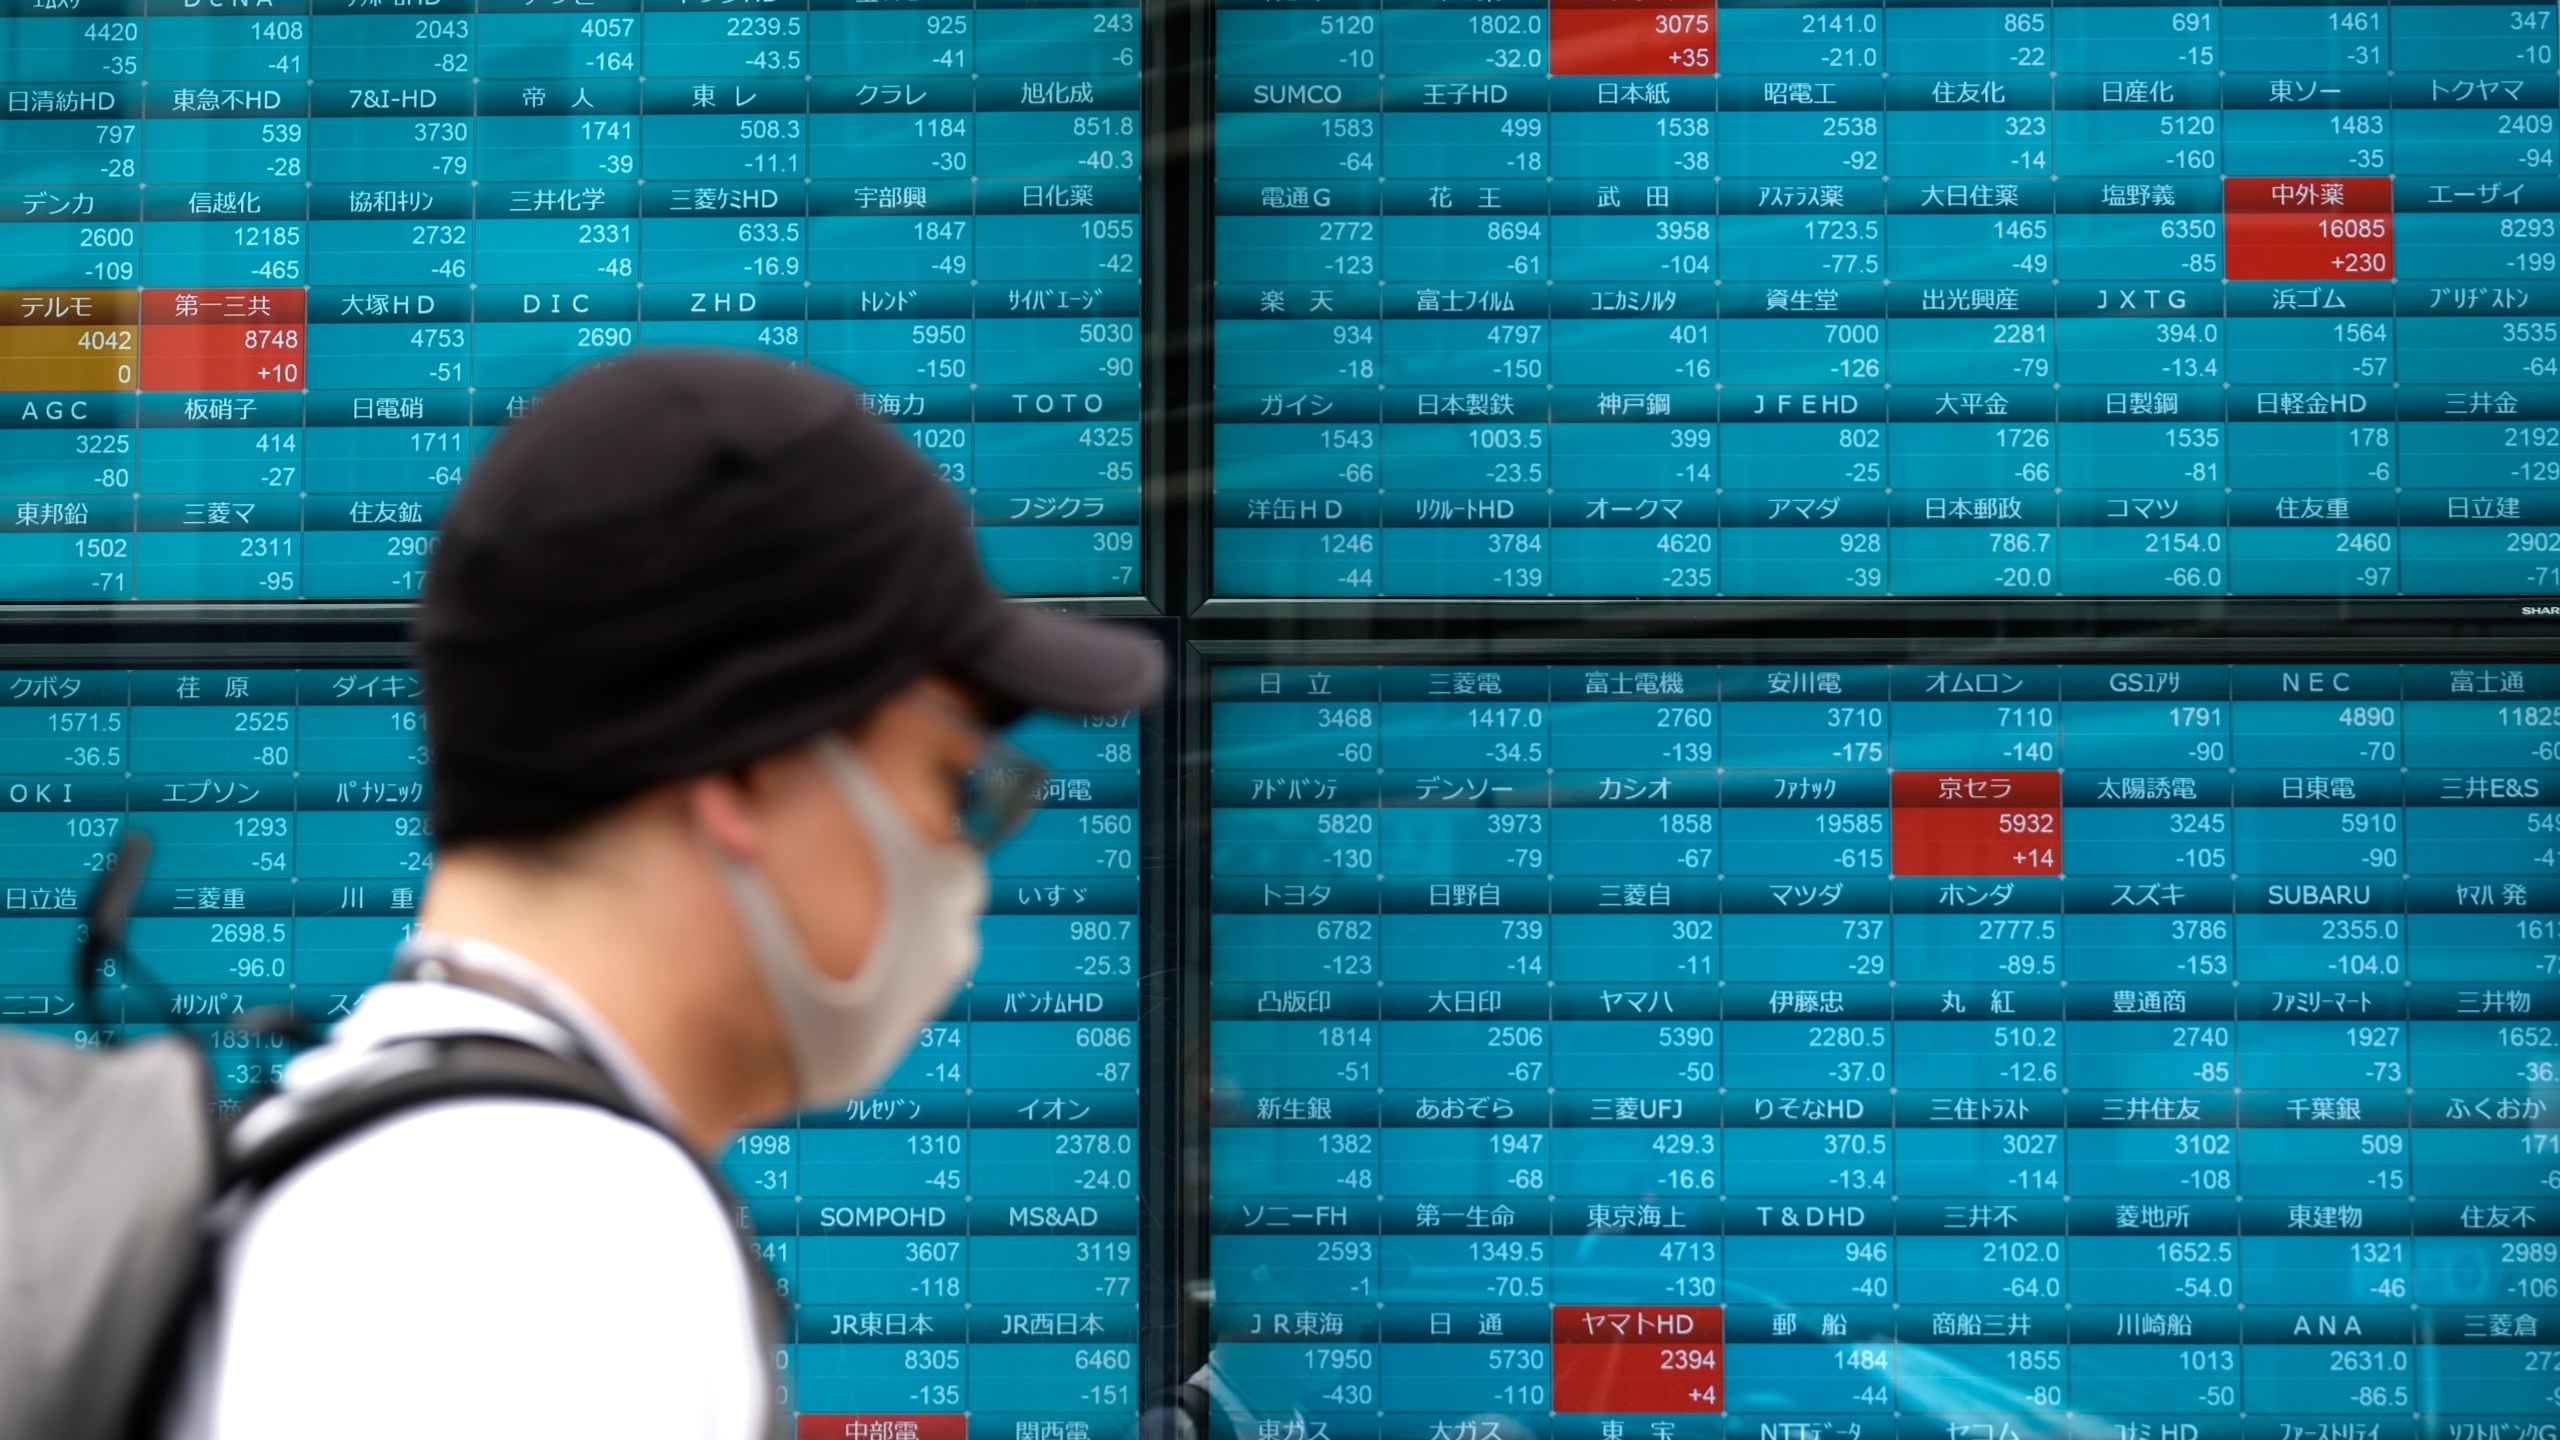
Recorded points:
(1639,1359)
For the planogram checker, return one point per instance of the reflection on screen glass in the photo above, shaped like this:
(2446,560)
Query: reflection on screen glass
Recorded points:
(957,1251)
(1619,1052)
(1791,297)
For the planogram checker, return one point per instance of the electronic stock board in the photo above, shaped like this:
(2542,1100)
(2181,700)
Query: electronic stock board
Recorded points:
(1939,1049)
(959,1246)
(1928,298)
(271,271)
(1594,1049)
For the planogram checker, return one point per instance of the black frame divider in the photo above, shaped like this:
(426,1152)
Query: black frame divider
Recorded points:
(1199,629)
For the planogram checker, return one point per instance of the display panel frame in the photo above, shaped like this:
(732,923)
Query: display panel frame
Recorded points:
(1177,603)
(176,637)
(1161,318)
(1639,635)
(1208,600)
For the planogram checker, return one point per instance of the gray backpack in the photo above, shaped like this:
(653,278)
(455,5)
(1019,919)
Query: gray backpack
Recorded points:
(118,1182)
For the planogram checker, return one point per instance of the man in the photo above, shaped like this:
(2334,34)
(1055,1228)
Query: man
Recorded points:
(708,659)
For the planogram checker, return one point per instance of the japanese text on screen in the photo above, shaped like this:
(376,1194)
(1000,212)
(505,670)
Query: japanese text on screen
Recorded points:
(272,271)
(1680,1052)
(1936,297)
(958,1249)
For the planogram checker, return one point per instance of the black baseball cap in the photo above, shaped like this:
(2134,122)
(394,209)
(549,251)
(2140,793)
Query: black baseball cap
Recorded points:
(679,560)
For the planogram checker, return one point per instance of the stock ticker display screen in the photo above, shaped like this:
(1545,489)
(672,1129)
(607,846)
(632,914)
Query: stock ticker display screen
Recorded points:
(272,271)
(959,1246)
(1961,1051)
(1932,297)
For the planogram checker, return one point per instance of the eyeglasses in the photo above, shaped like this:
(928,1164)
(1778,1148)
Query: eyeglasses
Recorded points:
(998,794)
(999,791)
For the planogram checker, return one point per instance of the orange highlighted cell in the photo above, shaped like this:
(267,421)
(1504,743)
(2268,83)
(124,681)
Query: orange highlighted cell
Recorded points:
(1588,38)
(69,307)
(67,340)
(66,357)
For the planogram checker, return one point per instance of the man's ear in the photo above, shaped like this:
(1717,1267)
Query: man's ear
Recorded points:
(719,805)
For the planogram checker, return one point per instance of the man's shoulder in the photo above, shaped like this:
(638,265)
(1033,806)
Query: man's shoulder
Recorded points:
(487,1242)
(556,1267)
(491,1158)
(502,1162)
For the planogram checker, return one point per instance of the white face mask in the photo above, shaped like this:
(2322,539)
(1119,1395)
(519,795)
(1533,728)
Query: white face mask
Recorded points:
(845,1035)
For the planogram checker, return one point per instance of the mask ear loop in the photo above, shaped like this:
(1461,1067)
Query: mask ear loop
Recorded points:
(780,959)
(925,865)
(809,1004)
(776,941)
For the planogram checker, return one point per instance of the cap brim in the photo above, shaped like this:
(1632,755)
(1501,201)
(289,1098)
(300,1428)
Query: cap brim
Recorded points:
(1043,660)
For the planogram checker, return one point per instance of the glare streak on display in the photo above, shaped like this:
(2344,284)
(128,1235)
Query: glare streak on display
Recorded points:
(959,1249)
(1969,1049)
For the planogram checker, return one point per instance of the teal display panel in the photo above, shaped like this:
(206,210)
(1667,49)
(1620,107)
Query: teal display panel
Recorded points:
(272,272)
(285,810)
(959,1247)
(1856,298)
(1953,1050)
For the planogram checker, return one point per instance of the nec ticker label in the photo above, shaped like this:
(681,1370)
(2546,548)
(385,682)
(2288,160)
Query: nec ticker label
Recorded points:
(957,1250)
(273,271)
(1796,297)
(1941,1051)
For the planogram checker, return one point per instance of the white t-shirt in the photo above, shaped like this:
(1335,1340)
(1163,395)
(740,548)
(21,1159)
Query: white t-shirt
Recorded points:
(489,1268)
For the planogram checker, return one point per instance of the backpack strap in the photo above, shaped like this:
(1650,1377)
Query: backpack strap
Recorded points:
(269,1141)
(260,1147)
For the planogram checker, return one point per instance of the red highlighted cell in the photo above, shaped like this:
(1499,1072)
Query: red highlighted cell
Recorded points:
(221,357)
(2307,227)
(223,307)
(221,340)
(1977,822)
(2307,247)
(884,1427)
(1639,1359)
(1598,37)
(1976,789)
(2305,194)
